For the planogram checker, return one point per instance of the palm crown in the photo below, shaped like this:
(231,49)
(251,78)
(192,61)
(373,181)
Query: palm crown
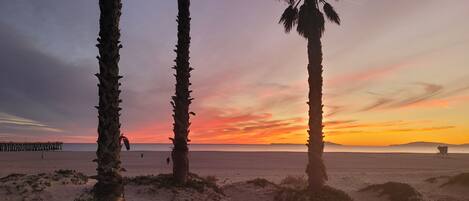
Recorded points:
(309,18)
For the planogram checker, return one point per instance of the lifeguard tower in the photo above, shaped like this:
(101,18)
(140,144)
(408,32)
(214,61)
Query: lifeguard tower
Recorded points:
(443,150)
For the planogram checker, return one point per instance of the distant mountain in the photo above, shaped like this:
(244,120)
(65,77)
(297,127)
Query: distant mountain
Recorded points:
(331,143)
(325,143)
(426,144)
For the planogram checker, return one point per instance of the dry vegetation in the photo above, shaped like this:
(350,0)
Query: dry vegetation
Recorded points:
(195,182)
(460,179)
(291,188)
(294,189)
(32,187)
(433,180)
(260,182)
(395,191)
(327,194)
(166,188)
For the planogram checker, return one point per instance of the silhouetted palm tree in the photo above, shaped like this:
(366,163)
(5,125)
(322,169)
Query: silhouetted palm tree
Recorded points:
(309,21)
(110,183)
(182,99)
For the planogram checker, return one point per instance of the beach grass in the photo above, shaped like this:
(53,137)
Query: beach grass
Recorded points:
(395,191)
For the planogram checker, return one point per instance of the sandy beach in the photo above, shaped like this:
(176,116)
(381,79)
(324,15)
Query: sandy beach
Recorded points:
(347,171)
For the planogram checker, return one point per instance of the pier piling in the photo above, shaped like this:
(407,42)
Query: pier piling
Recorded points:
(30,146)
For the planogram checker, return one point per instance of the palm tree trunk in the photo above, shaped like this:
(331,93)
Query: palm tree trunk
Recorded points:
(109,186)
(182,99)
(315,169)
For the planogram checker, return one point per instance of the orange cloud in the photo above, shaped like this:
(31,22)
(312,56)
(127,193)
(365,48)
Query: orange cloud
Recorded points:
(351,129)
(439,103)
(212,125)
(347,124)
(421,129)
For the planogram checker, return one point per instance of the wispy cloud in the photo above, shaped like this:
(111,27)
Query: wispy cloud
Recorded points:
(8,121)
(333,110)
(229,125)
(366,75)
(348,124)
(239,126)
(380,102)
(427,94)
(346,127)
(429,91)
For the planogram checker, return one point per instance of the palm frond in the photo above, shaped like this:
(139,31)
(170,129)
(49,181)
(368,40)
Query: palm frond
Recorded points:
(290,2)
(331,13)
(310,21)
(126,142)
(289,18)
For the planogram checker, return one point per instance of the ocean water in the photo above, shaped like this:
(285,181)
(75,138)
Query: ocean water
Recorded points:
(275,148)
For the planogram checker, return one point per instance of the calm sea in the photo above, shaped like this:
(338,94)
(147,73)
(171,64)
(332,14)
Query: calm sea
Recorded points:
(274,148)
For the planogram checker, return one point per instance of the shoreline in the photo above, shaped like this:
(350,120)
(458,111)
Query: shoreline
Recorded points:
(244,152)
(239,164)
(276,148)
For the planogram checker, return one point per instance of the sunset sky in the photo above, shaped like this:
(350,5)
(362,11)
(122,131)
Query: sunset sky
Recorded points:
(395,72)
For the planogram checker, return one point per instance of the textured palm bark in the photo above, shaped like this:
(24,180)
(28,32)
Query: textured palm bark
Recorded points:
(109,186)
(315,169)
(182,99)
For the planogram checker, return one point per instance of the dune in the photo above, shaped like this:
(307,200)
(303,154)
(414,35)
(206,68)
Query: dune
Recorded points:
(350,172)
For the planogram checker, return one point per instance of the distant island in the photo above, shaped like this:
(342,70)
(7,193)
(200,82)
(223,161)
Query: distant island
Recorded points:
(410,144)
(326,143)
(425,144)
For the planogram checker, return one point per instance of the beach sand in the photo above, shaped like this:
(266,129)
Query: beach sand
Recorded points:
(347,171)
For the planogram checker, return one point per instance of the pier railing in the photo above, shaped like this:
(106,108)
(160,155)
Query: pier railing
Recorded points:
(30,146)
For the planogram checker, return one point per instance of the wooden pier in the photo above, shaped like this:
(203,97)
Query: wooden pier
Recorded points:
(30,146)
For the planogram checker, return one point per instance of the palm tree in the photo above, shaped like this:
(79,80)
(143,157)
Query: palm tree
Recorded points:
(110,183)
(182,99)
(309,21)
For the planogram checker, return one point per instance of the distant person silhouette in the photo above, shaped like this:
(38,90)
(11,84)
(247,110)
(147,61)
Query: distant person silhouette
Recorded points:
(168,160)
(141,155)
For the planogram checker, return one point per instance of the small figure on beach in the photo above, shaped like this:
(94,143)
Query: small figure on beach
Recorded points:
(42,155)
(168,160)
(141,155)
(443,150)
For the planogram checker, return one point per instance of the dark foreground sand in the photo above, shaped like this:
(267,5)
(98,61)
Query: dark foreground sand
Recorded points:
(347,171)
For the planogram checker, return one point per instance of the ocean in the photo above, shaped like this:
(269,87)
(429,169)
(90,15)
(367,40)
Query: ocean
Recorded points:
(277,148)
